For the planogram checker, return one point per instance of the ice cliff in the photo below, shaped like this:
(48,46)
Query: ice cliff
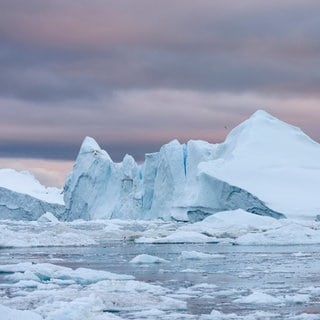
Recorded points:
(22,197)
(178,182)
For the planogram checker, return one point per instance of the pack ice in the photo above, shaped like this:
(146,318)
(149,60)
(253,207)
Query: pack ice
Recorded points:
(265,166)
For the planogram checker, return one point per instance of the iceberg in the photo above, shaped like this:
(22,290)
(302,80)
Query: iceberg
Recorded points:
(179,182)
(275,161)
(22,197)
(98,188)
(147,259)
(265,166)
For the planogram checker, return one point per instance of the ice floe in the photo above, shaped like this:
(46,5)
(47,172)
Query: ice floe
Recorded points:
(146,259)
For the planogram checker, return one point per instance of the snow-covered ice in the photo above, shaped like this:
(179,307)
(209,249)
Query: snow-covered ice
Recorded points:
(25,183)
(48,217)
(259,297)
(22,197)
(147,259)
(63,293)
(273,160)
(233,227)
(195,255)
(288,233)
(179,237)
(13,314)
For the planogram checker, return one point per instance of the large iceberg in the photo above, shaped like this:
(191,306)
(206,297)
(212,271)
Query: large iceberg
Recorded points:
(265,166)
(22,197)
(273,160)
(188,182)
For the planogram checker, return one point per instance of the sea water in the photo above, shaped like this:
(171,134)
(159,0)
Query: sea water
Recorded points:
(282,281)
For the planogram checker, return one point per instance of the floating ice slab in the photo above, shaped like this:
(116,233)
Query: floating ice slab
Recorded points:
(47,271)
(232,224)
(179,237)
(48,217)
(194,255)
(64,293)
(13,314)
(259,297)
(147,259)
(290,233)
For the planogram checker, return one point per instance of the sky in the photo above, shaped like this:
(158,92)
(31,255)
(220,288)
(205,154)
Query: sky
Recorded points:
(135,74)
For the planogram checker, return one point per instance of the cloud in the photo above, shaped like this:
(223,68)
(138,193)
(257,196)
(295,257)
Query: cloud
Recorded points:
(136,74)
(62,50)
(140,121)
